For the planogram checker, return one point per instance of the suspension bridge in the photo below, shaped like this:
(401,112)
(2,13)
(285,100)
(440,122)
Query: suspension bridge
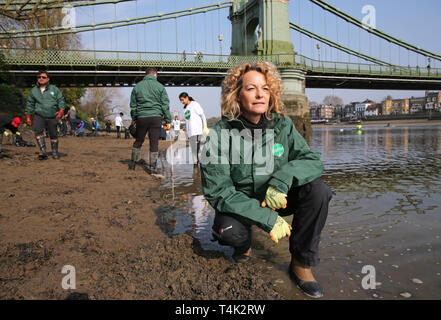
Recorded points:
(341,51)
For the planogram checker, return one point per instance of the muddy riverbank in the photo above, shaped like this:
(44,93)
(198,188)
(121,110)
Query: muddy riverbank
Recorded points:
(88,211)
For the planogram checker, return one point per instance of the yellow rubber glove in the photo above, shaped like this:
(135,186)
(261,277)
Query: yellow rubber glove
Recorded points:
(274,199)
(280,230)
(206,131)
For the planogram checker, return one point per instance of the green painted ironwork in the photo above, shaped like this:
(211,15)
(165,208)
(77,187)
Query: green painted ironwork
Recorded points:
(52,4)
(113,24)
(375,31)
(338,46)
(102,59)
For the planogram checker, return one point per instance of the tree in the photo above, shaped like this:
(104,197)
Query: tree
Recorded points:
(45,19)
(332,100)
(72,96)
(98,102)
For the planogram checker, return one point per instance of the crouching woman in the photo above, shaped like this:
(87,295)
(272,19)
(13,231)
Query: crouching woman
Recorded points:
(246,191)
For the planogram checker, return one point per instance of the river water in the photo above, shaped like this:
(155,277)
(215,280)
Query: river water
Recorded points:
(382,239)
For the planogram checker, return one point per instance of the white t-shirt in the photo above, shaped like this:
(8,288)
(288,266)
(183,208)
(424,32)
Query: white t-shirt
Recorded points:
(118,121)
(176,125)
(194,119)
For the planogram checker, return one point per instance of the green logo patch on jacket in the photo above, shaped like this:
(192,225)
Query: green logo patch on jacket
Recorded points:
(278,150)
(187,114)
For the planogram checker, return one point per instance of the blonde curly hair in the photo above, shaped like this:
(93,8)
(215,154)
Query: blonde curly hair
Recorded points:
(232,85)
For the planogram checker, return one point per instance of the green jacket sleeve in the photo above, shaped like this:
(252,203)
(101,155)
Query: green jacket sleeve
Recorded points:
(30,103)
(165,102)
(133,105)
(303,166)
(220,192)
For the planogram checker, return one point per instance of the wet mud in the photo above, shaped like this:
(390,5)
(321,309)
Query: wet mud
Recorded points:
(88,211)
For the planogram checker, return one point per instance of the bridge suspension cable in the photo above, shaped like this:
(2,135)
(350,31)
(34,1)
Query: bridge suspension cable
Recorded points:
(374,31)
(114,24)
(338,46)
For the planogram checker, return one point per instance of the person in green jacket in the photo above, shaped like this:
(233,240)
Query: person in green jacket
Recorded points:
(256,168)
(46,103)
(149,107)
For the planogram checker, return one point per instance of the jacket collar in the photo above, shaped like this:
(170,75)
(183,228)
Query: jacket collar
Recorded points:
(238,124)
(47,86)
(149,77)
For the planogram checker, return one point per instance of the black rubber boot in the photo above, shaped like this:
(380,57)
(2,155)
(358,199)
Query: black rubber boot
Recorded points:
(135,157)
(42,145)
(153,161)
(54,146)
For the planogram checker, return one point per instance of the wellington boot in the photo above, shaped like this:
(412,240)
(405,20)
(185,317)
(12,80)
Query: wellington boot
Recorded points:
(54,146)
(153,162)
(134,159)
(42,145)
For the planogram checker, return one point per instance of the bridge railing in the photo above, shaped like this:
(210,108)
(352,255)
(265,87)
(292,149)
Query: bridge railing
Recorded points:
(363,68)
(14,56)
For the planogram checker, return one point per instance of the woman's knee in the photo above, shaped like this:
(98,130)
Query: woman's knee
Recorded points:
(230,232)
(320,191)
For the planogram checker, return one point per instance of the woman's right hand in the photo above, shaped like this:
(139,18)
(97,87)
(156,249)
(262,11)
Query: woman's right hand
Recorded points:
(280,229)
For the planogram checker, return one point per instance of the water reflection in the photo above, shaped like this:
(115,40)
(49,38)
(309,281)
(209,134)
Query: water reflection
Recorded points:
(386,213)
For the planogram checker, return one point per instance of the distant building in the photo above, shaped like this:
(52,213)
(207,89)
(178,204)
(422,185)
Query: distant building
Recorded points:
(400,106)
(360,108)
(373,110)
(326,112)
(387,107)
(433,101)
(314,112)
(416,104)
(339,111)
(349,109)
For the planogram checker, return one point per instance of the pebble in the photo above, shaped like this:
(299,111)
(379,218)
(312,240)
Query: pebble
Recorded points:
(395,266)
(405,294)
(417,281)
(280,281)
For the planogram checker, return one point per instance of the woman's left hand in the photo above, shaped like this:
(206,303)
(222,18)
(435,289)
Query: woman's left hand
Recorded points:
(274,199)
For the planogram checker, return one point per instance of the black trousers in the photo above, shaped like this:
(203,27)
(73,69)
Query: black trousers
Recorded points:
(40,124)
(309,204)
(152,125)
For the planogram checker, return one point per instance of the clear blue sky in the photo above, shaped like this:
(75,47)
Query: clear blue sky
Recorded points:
(416,22)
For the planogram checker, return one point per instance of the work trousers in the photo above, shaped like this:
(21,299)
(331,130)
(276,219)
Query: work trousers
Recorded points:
(152,125)
(195,145)
(309,205)
(40,124)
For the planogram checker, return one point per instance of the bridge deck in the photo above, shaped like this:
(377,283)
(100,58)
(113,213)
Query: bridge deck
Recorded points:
(124,68)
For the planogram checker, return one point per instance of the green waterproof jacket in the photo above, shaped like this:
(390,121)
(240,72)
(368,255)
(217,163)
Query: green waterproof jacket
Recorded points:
(45,103)
(149,99)
(237,167)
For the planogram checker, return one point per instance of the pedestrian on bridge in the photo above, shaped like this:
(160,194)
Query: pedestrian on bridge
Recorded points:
(46,103)
(195,124)
(284,180)
(149,107)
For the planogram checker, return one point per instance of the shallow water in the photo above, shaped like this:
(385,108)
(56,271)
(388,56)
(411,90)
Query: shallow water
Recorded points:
(385,213)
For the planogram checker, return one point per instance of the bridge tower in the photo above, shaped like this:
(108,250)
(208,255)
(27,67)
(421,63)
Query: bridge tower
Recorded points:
(261,27)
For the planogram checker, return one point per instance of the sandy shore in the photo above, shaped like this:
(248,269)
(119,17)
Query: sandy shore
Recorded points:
(392,123)
(87,210)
